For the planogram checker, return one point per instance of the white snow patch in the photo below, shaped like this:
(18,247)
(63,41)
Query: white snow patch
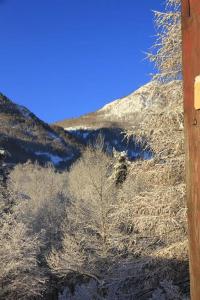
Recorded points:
(54,136)
(56,159)
(75,128)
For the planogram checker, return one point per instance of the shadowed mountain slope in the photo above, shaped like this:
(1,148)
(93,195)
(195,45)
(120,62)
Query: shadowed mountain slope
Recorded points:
(27,137)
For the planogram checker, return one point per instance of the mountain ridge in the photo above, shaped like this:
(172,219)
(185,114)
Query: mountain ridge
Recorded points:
(124,112)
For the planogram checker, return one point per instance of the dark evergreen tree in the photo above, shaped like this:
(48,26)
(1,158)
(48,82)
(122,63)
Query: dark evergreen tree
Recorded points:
(120,167)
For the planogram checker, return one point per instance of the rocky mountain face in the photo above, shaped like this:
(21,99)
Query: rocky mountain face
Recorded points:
(129,110)
(26,137)
(112,120)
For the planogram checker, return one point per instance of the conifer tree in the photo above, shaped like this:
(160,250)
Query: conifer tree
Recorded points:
(120,167)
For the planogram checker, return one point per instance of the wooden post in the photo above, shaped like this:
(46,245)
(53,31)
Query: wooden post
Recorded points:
(191,71)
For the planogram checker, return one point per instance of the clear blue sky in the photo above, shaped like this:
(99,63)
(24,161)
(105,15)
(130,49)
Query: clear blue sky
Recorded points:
(64,58)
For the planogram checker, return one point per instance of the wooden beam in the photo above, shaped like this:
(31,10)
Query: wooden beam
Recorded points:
(191,71)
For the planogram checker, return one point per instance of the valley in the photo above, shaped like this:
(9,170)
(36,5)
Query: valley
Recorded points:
(118,200)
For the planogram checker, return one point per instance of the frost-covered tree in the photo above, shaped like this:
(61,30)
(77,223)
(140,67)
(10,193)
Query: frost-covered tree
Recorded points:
(20,274)
(41,197)
(166,51)
(32,212)
(127,240)
(88,232)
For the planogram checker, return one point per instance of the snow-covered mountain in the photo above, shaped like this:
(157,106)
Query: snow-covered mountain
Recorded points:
(150,96)
(135,102)
(126,111)
(115,117)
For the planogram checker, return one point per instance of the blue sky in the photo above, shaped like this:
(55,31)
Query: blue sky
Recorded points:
(64,58)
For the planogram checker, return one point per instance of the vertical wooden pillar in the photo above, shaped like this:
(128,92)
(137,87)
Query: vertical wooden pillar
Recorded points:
(191,69)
